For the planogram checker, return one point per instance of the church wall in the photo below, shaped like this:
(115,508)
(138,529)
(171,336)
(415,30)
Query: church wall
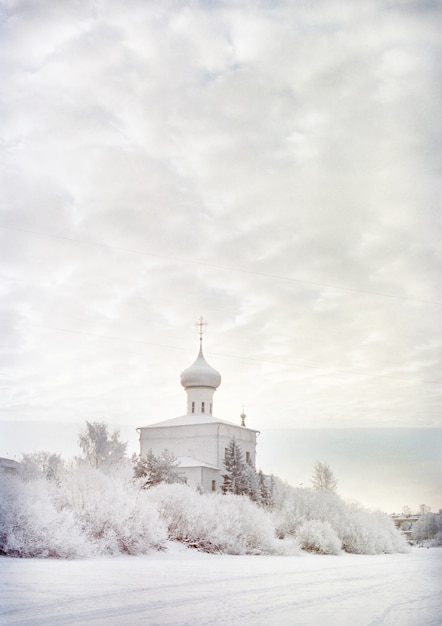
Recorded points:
(245,438)
(205,442)
(204,477)
(197,441)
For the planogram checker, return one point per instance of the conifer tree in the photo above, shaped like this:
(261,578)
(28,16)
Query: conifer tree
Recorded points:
(266,489)
(237,476)
(253,484)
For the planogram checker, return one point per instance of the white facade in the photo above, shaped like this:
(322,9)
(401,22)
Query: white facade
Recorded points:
(199,439)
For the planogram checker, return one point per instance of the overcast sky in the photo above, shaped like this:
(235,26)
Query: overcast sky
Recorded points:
(271,166)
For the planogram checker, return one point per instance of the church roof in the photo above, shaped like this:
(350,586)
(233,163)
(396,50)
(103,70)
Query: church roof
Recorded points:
(188,461)
(200,374)
(9,465)
(193,420)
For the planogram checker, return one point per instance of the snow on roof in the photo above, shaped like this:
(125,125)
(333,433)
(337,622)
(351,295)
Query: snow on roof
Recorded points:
(194,419)
(188,461)
(9,464)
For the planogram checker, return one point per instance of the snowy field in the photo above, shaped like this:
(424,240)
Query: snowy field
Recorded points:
(180,587)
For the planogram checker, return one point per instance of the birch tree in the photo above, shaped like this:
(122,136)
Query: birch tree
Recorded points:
(323,478)
(101,449)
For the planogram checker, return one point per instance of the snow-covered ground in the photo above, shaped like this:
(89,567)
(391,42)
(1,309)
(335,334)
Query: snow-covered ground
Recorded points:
(180,587)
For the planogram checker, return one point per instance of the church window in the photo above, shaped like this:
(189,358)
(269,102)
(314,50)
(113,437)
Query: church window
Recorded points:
(193,407)
(248,457)
(213,485)
(202,407)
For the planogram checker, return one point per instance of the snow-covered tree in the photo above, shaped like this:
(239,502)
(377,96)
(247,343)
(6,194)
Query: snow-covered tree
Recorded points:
(429,528)
(266,489)
(101,449)
(323,478)
(41,465)
(237,478)
(152,470)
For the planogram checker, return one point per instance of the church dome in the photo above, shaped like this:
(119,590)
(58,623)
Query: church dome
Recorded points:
(200,374)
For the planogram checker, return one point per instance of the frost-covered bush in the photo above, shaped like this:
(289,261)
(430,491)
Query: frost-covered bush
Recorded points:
(89,513)
(214,522)
(317,536)
(182,511)
(84,511)
(365,532)
(113,513)
(242,527)
(32,526)
(358,530)
(294,506)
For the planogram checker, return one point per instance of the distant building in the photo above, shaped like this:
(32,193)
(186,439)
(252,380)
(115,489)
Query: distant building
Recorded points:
(9,466)
(199,439)
(406,524)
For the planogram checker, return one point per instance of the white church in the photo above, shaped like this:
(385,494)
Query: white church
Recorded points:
(198,439)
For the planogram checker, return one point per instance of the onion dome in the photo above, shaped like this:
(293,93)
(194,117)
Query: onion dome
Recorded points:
(200,374)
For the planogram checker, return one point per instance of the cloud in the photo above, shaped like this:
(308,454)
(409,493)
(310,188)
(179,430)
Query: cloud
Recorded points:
(271,167)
